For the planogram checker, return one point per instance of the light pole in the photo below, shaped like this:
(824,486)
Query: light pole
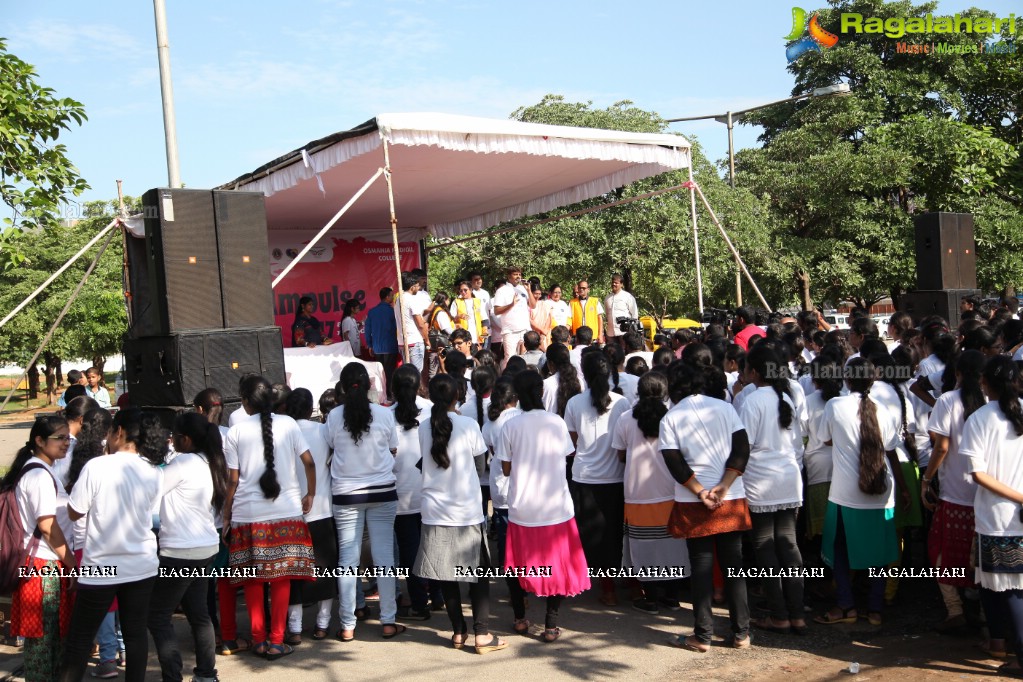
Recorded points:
(728,118)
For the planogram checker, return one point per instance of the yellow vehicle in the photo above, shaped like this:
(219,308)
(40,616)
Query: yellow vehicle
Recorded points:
(668,326)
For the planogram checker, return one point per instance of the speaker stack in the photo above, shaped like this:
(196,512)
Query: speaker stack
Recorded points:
(946,266)
(202,309)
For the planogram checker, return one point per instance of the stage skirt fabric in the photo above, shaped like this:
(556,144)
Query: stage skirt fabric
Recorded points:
(870,536)
(647,541)
(556,547)
(443,549)
(694,520)
(324,538)
(951,538)
(275,549)
(1001,562)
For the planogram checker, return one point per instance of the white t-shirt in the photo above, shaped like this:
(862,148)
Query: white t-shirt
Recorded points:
(772,476)
(315,434)
(350,327)
(701,428)
(889,397)
(62,466)
(630,387)
(452,496)
(817,455)
(929,366)
(561,313)
(990,444)
(515,319)
(841,425)
(422,302)
(186,511)
(739,398)
(645,354)
(408,478)
(243,450)
(405,311)
(492,436)
(595,462)
(957,484)
(118,493)
(37,496)
(622,304)
(483,295)
(536,443)
(368,463)
(550,391)
(647,479)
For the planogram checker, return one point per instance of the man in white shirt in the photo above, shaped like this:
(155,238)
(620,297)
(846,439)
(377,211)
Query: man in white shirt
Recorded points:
(512,302)
(423,300)
(619,304)
(413,334)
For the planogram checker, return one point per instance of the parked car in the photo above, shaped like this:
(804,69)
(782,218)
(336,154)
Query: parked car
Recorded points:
(837,320)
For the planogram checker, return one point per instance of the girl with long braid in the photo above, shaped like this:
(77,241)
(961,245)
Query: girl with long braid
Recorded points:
(992,443)
(563,382)
(263,512)
(859,528)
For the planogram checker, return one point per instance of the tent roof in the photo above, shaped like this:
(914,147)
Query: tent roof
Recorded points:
(454,174)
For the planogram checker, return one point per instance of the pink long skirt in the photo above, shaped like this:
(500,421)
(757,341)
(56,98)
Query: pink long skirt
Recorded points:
(556,551)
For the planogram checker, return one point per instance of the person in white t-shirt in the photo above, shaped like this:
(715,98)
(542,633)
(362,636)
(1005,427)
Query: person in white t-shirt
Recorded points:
(597,472)
(476,281)
(194,487)
(561,313)
(621,381)
(513,303)
(541,522)
(350,327)
(706,449)
(413,334)
(118,493)
(620,303)
(774,486)
(992,442)
(42,505)
(564,381)
(859,529)
(502,407)
(826,375)
(649,495)
(952,528)
(365,438)
(410,410)
(264,514)
(454,536)
(319,518)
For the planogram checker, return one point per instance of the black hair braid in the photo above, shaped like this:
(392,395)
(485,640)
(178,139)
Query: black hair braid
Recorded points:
(405,386)
(971,364)
(907,437)
(268,482)
(596,371)
(152,440)
(357,413)
(653,389)
(443,392)
(1002,375)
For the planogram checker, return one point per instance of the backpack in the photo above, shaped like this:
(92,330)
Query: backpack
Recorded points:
(12,555)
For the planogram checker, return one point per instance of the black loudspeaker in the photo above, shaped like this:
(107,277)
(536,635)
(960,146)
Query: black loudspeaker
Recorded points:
(171,370)
(920,304)
(244,258)
(945,251)
(175,275)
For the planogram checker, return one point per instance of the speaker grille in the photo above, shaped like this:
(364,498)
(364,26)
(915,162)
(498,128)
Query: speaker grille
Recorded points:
(244,258)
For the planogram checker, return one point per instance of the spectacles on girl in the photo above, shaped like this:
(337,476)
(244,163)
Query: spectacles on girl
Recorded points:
(65,438)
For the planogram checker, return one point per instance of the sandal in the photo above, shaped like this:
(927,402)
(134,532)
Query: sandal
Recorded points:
(801,630)
(744,643)
(320,633)
(261,649)
(362,614)
(874,618)
(398,629)
(293,638)
(994,653)
(342,638)
(521,626)
(275,651)
(768,625)
(495,644)
(231,647)
(690,643)
(459,643)
(550,635)
(844,616)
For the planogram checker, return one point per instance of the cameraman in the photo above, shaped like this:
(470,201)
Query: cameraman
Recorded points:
(619,304)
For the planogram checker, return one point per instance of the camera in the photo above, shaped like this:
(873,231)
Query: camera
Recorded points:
(628,324)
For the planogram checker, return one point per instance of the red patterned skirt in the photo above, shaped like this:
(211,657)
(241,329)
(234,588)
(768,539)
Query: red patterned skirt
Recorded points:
(271,550)
(27,600)
(951,538)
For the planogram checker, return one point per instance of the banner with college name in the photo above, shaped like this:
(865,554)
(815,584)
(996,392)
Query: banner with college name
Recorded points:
(332,273)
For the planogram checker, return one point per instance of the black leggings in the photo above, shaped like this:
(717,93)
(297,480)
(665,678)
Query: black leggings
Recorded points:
(600,516)
(774,537)
(518,602)
(479,596)
(729,554)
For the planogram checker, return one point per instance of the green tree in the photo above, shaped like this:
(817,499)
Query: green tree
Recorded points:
(35,174)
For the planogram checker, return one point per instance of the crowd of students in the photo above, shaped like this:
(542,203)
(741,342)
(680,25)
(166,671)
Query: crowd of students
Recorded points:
(563,467)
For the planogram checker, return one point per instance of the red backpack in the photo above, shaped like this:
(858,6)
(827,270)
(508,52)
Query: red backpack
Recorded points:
(12,555)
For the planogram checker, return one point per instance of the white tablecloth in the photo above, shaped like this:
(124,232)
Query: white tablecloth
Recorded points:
(318,369)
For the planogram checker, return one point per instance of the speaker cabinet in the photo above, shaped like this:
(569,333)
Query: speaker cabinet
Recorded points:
(945,251)
(165,371)
(920,304)
(244,258)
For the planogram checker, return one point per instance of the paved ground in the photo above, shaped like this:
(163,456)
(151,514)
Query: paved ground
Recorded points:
(13,435)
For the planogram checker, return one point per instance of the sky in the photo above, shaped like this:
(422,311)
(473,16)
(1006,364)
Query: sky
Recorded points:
(253,80)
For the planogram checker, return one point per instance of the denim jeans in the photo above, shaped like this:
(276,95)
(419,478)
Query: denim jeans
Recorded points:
(350,520)
(416,355)
(190,592)
(108,637)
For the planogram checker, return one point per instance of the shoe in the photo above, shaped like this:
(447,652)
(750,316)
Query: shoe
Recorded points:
(744,643)
(409,613)
(437,606)
(105,670)
(293,638)
(670,604)
(956,625)
(121,659)
(646,606)
(231,647)
(320,633)
(690,644)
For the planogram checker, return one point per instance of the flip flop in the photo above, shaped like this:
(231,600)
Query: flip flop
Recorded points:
(874,618)
(766,624)
(275,651)
(690,644)
(829,619)
(495,644)
(398,629)
(231,647)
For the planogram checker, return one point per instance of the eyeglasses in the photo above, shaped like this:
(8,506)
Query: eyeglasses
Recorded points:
(65,438)
(463,291)
(459,343)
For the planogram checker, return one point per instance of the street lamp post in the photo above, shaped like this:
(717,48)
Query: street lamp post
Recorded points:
(728,118)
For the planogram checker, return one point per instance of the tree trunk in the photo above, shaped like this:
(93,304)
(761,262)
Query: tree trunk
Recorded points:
(60,371)
(51,376)
(98,361)
(33,382)
(803,277)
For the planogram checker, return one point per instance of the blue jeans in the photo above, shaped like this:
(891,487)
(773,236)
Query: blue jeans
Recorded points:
(416,355)
(501,534)
(350,520)
(108,637)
